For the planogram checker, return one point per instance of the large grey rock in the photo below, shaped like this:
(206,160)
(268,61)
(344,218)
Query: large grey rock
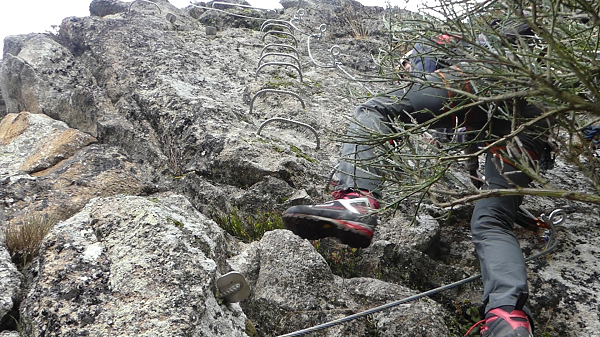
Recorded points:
(169,108)
(108,7)
(51,170)
(294,288)
(40,75)
(132,266)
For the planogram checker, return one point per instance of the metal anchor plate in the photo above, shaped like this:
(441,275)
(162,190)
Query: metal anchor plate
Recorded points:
(233,287)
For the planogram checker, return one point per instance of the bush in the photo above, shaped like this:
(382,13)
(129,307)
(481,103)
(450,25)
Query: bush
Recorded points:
(23,240)
(251,227)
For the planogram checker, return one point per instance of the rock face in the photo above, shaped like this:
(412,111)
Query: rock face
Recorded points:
(132,266)
(133,127)
(283,300)
(52,170)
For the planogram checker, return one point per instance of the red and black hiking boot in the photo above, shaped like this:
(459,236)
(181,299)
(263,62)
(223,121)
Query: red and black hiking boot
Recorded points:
(504,324)
(348,218)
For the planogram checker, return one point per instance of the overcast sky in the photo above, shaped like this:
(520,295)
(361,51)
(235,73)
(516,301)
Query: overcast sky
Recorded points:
(37,16)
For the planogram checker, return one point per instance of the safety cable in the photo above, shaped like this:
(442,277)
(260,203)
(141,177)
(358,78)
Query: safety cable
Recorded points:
(550,246)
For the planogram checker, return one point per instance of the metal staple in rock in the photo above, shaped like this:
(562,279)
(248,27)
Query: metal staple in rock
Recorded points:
(279,119)
(276,28)
(276,91)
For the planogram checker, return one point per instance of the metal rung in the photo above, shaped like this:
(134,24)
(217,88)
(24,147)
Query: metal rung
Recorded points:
(274,45)
(279,119)
(285,64)
(282,55)
(277,92)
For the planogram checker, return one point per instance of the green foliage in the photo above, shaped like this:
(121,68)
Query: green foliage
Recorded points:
(465,319)
(300,154)
(251,227)
(280,84)
(176,223)
(557,69)
(341,259)
(23,240)
(250,329)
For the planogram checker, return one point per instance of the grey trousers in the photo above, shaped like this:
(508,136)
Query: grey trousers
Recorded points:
(502,262)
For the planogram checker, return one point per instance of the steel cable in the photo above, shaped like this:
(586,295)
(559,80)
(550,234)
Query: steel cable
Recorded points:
(550,246)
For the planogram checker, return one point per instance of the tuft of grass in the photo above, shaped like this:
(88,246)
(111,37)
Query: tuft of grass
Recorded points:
(176,223)
(300,154)
(341,259)
(252,227)
(23,240)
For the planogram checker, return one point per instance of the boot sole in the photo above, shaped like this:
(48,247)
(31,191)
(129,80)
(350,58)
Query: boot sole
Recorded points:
(313,227)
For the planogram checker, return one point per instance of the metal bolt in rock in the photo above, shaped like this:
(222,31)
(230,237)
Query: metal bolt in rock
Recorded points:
(171,18)
(233,287)
(211,31)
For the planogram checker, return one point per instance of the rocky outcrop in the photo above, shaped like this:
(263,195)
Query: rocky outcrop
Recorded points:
(139,129)
(108,7)
(41,76)
(51,170)
(294,288)
(2,103)
(132,266)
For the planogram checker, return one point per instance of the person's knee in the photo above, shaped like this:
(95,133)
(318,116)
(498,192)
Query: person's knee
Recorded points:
(494,213)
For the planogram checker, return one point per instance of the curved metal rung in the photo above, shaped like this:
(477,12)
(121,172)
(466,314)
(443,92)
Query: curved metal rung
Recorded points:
(278,92)
(287,64)
(275,25)
(272,45)
(233,287)
(150,2)
(279,119)
(275,21)
(280,54)
(272,32)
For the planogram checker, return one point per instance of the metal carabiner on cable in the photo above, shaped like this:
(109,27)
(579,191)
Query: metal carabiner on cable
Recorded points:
(556,217)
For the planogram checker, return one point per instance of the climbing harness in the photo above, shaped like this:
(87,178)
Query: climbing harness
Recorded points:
(555,218)
(530,222)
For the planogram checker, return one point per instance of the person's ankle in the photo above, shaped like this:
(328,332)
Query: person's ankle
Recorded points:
(357,193)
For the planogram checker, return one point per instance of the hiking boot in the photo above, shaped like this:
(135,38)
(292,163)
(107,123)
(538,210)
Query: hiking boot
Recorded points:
(348,218)
(500,323)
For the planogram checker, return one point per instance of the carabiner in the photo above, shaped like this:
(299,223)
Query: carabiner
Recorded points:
(557,217)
